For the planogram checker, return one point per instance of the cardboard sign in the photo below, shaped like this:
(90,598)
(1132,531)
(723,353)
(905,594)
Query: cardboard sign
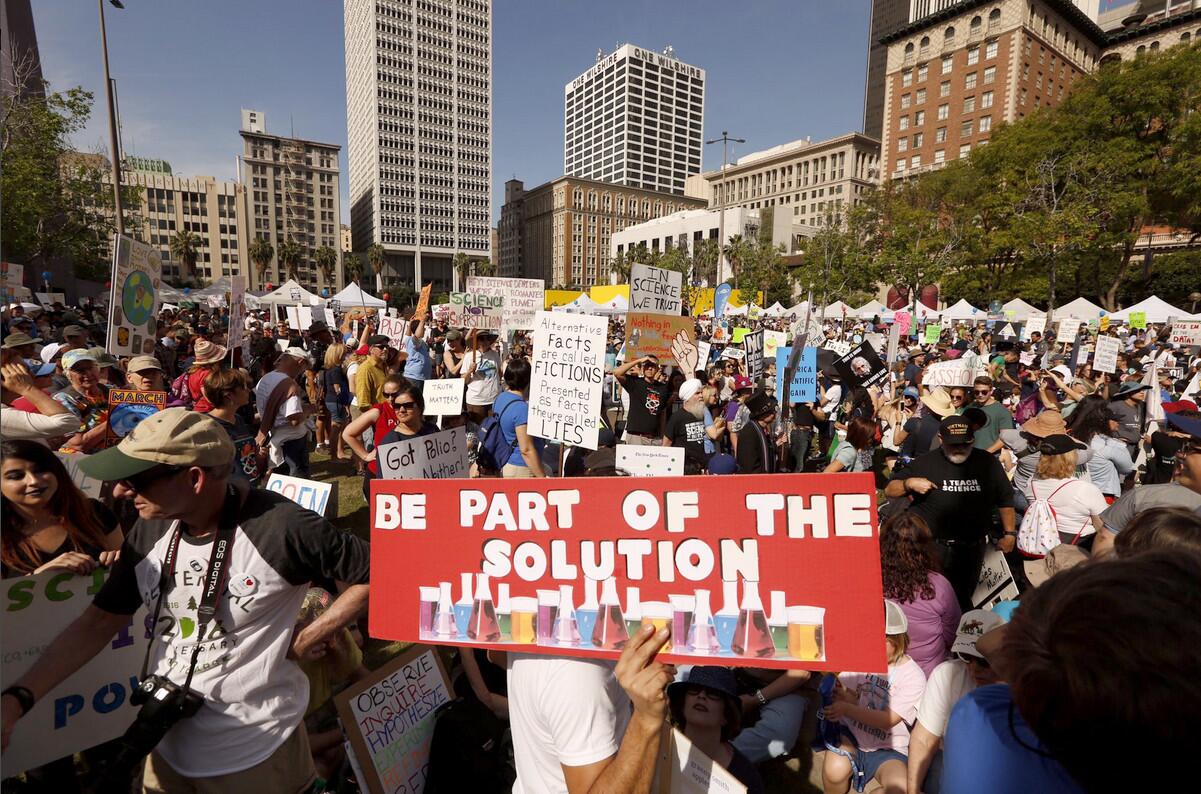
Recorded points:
(129,407)
(443,397)
(134,299)
(442,312)
(309,494)
(237,311)
(902,320)
(436,456)
(521,297)
(996,581)
(684,768)
(395,329)
(92,705)
(803,388)
(655,290)
(389,719)
(861,367)
(753,345)
(1067,330)
(640,461)
(803,547)
(1185,333)
(473,310)
(839,347)
(948,374)
(1034,325)
(1138,319)
(90,486)
(738,334)
(773,340)
(568,377)
(652,335)
(933,332)
(1106,357)
(423,303)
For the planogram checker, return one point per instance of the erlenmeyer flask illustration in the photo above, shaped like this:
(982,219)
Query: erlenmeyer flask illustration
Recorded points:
(464,605)
(425,617)
(444,617)
(504,612)
(585,613)
(751,635)
(610,631)
(702,637)
(483,626)
(726,618)
(548,609)
(633,612)
(566,631)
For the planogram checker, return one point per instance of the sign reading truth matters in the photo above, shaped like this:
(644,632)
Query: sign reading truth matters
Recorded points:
(762,570)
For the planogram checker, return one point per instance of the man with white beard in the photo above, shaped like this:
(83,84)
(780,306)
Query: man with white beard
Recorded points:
(955,488)
(686,427)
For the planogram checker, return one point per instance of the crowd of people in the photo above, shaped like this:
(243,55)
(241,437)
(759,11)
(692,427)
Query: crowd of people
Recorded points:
(1032,452)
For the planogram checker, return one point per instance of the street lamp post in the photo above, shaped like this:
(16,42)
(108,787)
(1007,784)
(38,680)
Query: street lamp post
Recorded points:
(726,140)
(112,120)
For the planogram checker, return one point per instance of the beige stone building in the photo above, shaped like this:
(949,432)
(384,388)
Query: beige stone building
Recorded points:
(802,177)
(560,231)
(347,246)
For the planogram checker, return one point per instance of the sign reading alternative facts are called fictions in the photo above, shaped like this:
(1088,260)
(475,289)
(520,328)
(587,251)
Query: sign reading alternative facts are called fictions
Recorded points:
(568,378)
(775,571)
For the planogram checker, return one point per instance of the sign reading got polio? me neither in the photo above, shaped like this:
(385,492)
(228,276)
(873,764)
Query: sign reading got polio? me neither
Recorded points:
(575,565)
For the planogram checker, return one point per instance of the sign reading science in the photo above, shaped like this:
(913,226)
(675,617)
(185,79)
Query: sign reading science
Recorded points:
(766,570)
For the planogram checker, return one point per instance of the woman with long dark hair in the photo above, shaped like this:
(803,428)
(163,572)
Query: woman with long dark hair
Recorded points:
(912,579)
(46,521)
(1095,425)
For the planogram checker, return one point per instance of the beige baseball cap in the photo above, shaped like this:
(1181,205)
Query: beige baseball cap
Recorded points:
(172,437)
(142,363)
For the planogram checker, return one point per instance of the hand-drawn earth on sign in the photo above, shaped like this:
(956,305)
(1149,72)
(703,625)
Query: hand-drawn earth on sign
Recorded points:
(137,297)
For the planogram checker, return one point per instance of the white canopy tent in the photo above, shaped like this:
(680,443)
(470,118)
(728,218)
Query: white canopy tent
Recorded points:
(922,313)
(961,311)
(798,310)
(581,305)
(775,310)
(1156,309)
(736,311)
(354,295)
(1022,311)
(1081,308)
(290,293)
(837,309)
(872,308)
(614,306)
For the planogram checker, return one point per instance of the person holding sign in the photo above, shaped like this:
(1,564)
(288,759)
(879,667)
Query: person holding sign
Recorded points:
(419,366)
(649,399)
(480,368)
(513,408)
(409,405)
(706,708)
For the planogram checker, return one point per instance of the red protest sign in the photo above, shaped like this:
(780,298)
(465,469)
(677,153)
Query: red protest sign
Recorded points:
(762,570)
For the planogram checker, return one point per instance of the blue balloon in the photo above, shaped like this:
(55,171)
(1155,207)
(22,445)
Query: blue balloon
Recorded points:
(46,275)
(325,292)
(187,290)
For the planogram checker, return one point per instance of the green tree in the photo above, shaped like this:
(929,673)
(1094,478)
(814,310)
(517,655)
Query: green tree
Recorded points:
(354,266)
(831,260)
(326,259)
(736,250)
(704,262)
(484,267)
(261,252)
(185,247)
(377,256)
(461,263)
(619,266)
(290,253)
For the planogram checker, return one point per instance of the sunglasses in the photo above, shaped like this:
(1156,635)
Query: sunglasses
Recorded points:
(984,392)
(967,658)
(143,480)
(409,406)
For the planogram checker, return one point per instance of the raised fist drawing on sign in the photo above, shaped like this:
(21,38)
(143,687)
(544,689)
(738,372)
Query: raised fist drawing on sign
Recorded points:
(685,353)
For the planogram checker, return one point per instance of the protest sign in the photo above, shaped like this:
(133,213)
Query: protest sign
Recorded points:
(129,407)
(738,334)
(837,346)
(933,332)
(521,297)
(305,315)
(443,397)
(476,310)
(14,275)
(948,374)
(134,299)
(568,377)
(655,290)
(733,353)
(1034,325)
(1007,332)
(48,299)
(720,333)
(804,381)
(753,345)
(804,544)
(902,320)
(90,486)
(389,719)
(395,329)
(684,768)
(309,494)
(894,342)
(771,341)
(703,350)
(652,335)
(1106,357)
(1067,330)
(640,461)
(442,312)
(434,457)
(861,366)
(996,581)
(422,309)
(1027,358)
(330,318)
(293,317)
(92,705)
(1138,319)
(237,311)
(1103,323)
(1185,333)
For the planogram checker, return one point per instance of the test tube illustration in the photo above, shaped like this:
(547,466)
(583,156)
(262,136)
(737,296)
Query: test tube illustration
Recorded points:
(633,613)
(682,609)
(585,613)
(610,631)
(483,626)
(429,605)
(524,616)
(444,616)
(658,614)
(777,622)
(548,610)
(726,618)
(504,611)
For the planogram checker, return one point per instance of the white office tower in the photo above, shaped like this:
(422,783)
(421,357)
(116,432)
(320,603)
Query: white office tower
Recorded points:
(419,129)
(636,118)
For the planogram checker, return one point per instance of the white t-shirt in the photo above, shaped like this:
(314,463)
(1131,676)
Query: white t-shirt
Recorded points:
(351,371)
(948,682)
(1075,503)
(483,385)
(262,393)
(563,712)
(900,691)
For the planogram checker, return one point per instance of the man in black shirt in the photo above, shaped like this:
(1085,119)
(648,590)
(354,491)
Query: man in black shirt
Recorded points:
(955,489)
(758,451)
(686,427)
(648,401)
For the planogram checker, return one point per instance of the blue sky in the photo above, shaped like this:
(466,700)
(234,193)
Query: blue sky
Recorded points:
(777,70)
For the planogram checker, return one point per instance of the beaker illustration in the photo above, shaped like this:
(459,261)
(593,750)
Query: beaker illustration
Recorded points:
(464,605)
(806,633)
(777,622)
(525,612)
(610,631)
(702,638)
(726,619)
(425,615)
(585,613)
(682,609)
(548,610)
(751,635)
(504,610)
(483,626)
(566,632)
(633,613)
(444,616)
(658,614)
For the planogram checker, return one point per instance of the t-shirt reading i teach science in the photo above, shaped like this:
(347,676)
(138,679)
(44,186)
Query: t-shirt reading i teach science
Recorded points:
(960,504)
(254,695)
(647,402)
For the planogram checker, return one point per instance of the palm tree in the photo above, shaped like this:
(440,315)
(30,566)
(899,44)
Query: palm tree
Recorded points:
(354,266)
(736,252)
(326,259)
(484,267)
(185,246)
(620,267)
(377,256)
(290,253)
(461,265)
(261,253)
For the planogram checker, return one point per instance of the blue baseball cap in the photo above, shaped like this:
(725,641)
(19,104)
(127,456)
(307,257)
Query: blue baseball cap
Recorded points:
(38,368)
(722,464)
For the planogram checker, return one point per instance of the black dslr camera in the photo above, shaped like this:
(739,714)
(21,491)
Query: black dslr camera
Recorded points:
(163,704)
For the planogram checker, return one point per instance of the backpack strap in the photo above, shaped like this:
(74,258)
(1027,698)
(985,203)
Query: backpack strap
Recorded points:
(282,391)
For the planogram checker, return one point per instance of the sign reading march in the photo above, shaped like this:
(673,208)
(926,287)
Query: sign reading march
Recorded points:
(467,310)
(655,290)
(775,571)
(522,298)
(436,456)
(568,378)
(134,301)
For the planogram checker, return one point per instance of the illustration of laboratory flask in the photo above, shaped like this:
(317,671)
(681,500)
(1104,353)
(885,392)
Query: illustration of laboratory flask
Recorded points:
(464,606)
(610,630)
(444,617)
(702,637)
(566,632)
(483,626)
(585,613)
(751,635)
(726,619)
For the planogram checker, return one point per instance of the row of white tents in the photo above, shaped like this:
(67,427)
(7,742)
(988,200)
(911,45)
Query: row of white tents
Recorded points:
(1156,310)
(290,293)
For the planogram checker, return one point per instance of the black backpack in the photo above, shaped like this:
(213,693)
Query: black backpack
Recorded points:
(468,751)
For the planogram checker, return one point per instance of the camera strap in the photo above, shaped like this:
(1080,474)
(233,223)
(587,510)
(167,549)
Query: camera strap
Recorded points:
(216,577)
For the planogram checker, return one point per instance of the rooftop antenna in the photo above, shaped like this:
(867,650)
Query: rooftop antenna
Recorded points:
(292,122)
(669,51)
(600,54)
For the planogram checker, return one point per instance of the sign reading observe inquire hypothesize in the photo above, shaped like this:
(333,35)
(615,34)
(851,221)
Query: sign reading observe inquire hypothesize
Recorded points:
(805,546)
(521,297)
(1185,333)
(92,705)
(652,335)
(438,456)
(648,461)
(804,381)
(568,377)
(656,290)
(389,719)
(134,299)
(472,310)
(443,397)
(309,494)
(1105,359)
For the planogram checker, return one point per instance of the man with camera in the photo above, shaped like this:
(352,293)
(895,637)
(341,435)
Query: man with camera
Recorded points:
(223,570)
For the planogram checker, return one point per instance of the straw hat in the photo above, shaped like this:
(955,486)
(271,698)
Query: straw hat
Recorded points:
(1047,423)
(209,353)
(938,401)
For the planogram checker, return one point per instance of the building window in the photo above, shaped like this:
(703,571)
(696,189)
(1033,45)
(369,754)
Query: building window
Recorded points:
(973,56)
(904,101)
(943,111)
(940,155)
(990,49)
(947,62)
(990,75)
(904,123)
(944,89)
(969,104)
(965,129)
(900,164)
(940,135)
(907,78)
(964,150)
(918,139)
(922,72)
(969,82)
(985,123)
(920,96)
(986,100)
(915,161)
(902,144)
(919,118)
